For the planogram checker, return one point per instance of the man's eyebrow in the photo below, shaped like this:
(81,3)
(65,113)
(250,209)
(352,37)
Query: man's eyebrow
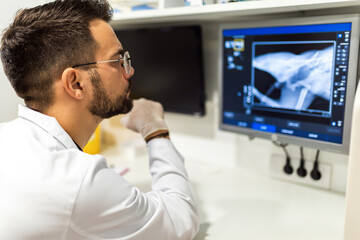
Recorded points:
(119,52)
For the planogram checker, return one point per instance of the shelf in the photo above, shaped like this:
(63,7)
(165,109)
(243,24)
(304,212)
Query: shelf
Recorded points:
(217,12)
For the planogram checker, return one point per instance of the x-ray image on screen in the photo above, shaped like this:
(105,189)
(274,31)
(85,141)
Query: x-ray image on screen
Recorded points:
(293,76)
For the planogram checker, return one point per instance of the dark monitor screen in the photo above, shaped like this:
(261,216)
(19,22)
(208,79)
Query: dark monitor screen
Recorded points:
(168,66)
(293,82)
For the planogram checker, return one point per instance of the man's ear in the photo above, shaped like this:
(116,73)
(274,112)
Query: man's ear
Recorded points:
(73,83)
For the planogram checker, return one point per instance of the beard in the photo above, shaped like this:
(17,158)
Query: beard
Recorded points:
(102,105)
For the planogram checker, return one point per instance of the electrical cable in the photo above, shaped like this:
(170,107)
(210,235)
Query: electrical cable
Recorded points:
(315,173)
(301,171)
(288,169)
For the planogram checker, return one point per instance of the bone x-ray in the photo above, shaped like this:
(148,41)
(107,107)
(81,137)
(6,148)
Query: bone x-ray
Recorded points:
(293,75)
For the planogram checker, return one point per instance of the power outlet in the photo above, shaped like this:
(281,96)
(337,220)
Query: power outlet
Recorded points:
(277,163)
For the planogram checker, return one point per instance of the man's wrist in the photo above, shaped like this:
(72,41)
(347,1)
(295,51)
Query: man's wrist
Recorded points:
(163,133)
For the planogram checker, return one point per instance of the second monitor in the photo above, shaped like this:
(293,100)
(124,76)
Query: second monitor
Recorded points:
(168,66)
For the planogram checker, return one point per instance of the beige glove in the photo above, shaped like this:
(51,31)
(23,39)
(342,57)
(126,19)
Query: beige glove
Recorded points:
(146,117)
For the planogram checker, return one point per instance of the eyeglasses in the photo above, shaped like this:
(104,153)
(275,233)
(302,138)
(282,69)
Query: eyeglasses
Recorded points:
(126,62)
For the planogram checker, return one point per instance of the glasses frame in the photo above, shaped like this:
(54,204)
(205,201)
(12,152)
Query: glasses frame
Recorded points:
(125,58)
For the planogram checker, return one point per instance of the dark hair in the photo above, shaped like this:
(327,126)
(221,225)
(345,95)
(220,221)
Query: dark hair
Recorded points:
(43,41)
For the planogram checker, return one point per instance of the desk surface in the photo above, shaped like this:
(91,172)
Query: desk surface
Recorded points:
(237,203)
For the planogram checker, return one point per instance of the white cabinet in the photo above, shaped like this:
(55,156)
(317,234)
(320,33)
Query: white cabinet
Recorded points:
(239,10)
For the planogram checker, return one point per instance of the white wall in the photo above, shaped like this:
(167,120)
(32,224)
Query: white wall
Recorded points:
(8,98)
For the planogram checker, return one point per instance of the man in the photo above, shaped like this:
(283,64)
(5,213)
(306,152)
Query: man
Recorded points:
(65,61)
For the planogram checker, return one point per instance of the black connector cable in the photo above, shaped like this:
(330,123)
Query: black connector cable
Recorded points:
(301,171)
(288,169)
(315,173)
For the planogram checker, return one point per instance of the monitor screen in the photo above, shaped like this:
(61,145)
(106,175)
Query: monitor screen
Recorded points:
(291,80)
(168,66)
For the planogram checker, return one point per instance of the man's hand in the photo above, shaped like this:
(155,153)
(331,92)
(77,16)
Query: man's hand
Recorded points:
(146,117)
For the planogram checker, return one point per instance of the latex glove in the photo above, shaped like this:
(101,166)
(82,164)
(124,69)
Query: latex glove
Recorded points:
(146,117)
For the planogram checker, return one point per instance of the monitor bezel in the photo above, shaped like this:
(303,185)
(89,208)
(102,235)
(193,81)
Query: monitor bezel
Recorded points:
(351,87)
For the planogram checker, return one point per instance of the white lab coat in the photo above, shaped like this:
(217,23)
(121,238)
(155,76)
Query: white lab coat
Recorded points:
(51,190)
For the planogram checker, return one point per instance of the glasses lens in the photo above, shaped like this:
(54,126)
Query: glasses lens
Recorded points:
(127,62)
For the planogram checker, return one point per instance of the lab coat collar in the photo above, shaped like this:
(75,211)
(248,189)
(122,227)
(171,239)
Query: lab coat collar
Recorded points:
(48,124)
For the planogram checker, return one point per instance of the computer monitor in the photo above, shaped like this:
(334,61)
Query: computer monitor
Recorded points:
(168,64)
(291,80)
